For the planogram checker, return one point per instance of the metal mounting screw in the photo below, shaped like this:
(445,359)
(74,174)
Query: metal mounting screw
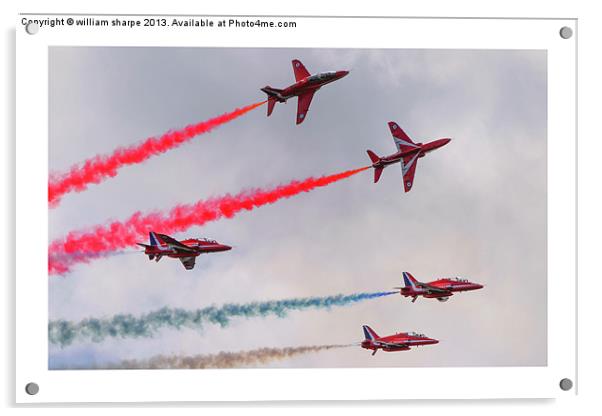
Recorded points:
(566,32)
(32,389)
(32,28)
(566,384)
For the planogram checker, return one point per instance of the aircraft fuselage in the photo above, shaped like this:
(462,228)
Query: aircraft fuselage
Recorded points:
(421,150)
(404,342)
(308,84)
(198,246)
(447,287)
(312,83)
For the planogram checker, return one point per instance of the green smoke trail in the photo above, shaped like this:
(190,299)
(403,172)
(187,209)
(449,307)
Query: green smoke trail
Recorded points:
(64,333)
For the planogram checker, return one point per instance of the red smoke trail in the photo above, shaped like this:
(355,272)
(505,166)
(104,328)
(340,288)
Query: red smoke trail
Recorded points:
(118,235)
(98,168)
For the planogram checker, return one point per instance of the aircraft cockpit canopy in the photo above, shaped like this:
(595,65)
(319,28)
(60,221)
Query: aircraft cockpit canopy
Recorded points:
(321,76)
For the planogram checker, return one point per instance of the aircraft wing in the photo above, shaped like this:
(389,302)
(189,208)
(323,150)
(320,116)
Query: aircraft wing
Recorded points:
(188,262)
(434,289)
(392,344)
(173,243)
(430,288)
(299,70)
(401,139)
(408,169)
(303,103)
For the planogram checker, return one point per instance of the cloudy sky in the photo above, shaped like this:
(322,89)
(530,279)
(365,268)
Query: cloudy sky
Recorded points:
(477,209)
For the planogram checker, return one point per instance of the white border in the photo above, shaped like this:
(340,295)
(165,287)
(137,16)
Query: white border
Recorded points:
(297,384)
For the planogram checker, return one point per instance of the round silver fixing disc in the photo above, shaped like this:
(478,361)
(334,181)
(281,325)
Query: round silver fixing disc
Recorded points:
(566,384)
(32,389)
(32,28)
(566,32)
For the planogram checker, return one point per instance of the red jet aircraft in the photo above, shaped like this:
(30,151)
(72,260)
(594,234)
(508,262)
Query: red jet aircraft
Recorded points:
(398,342)
(440,289)
(186,250)
(304,88)
(408,153)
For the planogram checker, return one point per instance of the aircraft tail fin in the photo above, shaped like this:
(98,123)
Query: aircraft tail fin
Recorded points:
(408,280)
(271,92)
(377,170)
(373,157)
(377,173)
(369,333)
(271,103)
(146,248)
(154,239)
(273,97)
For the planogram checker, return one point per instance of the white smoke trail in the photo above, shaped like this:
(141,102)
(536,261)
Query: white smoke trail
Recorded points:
(224,359)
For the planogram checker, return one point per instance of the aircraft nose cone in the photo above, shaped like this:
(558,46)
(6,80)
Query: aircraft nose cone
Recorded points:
(434,341)
(226,248)
(341,74)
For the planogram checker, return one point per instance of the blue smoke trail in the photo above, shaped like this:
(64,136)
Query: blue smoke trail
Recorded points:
(63,332)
